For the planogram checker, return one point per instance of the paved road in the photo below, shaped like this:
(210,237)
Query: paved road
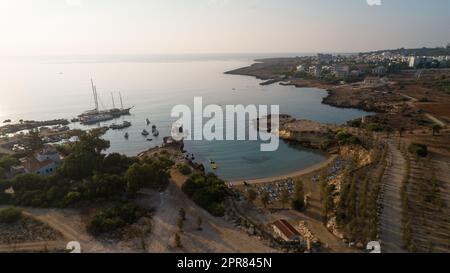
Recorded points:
(391,215)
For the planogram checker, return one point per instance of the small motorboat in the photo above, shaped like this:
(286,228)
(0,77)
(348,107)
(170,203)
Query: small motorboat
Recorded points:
(213,164)
(145,133)
(148,121)
(155,133)
(149,139)
(75,120)
(126,135)
(124,125)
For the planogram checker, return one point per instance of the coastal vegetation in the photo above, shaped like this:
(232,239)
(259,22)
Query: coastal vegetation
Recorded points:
(207,191)
(88,175)
(6,162)
(184,169)
(345,138)
(420,150)
(10,215)
(111,219)
(298,201)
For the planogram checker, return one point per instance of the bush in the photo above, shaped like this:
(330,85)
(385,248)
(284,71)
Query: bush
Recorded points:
(207,191)
(10,215)
(374,127)
(114,218)
(356,123)
(346,138)
(184,169)
(418,149)
(298,204)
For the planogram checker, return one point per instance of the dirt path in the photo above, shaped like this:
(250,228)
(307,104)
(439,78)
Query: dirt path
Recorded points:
(391,213)
(33,246)
(70,224)
(216,236)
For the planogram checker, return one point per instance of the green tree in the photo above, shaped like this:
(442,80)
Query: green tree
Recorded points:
(7,161)
(180,224)
(265,198)
(298,202)
(251,195)
(436,129)
(79,165)
(401,131)
(199,223)
(178,243)
(284,198)
(207,191)
(34,140)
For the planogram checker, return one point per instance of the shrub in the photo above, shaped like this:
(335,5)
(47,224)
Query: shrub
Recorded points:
(184,169)
(374,127)
(346,138)
(207,191)
(10,215)
(114,218)
(418,149)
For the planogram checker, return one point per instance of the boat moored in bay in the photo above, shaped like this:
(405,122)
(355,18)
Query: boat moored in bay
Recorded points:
(96,115)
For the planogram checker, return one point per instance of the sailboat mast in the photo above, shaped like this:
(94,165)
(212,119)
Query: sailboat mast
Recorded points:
(121,103)
(112,97)
(94,91)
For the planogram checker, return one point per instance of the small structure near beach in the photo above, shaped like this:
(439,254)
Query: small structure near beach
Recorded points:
(286,231)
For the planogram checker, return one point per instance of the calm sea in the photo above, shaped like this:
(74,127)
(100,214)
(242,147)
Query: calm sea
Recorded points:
(47,88)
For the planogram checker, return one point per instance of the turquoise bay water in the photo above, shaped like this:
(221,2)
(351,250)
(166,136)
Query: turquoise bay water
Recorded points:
(49,88)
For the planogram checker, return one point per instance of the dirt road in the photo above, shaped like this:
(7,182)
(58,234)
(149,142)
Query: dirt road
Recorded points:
(216,236)
(391,234)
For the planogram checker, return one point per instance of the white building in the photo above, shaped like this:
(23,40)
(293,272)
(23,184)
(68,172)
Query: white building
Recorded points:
(300,68)
(43,162)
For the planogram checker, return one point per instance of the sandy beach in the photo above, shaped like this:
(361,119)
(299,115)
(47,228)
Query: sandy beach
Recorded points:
(302,172)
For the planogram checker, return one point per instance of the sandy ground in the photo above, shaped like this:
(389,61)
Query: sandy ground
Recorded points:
(216,235)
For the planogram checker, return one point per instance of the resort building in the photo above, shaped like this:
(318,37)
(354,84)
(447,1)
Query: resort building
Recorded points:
(341,71)
(324,58)
(286,231)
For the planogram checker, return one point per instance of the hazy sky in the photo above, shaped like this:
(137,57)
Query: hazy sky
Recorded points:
(85,27)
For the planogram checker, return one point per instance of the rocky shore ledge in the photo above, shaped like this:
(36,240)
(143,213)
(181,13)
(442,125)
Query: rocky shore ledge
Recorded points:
(308,133)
